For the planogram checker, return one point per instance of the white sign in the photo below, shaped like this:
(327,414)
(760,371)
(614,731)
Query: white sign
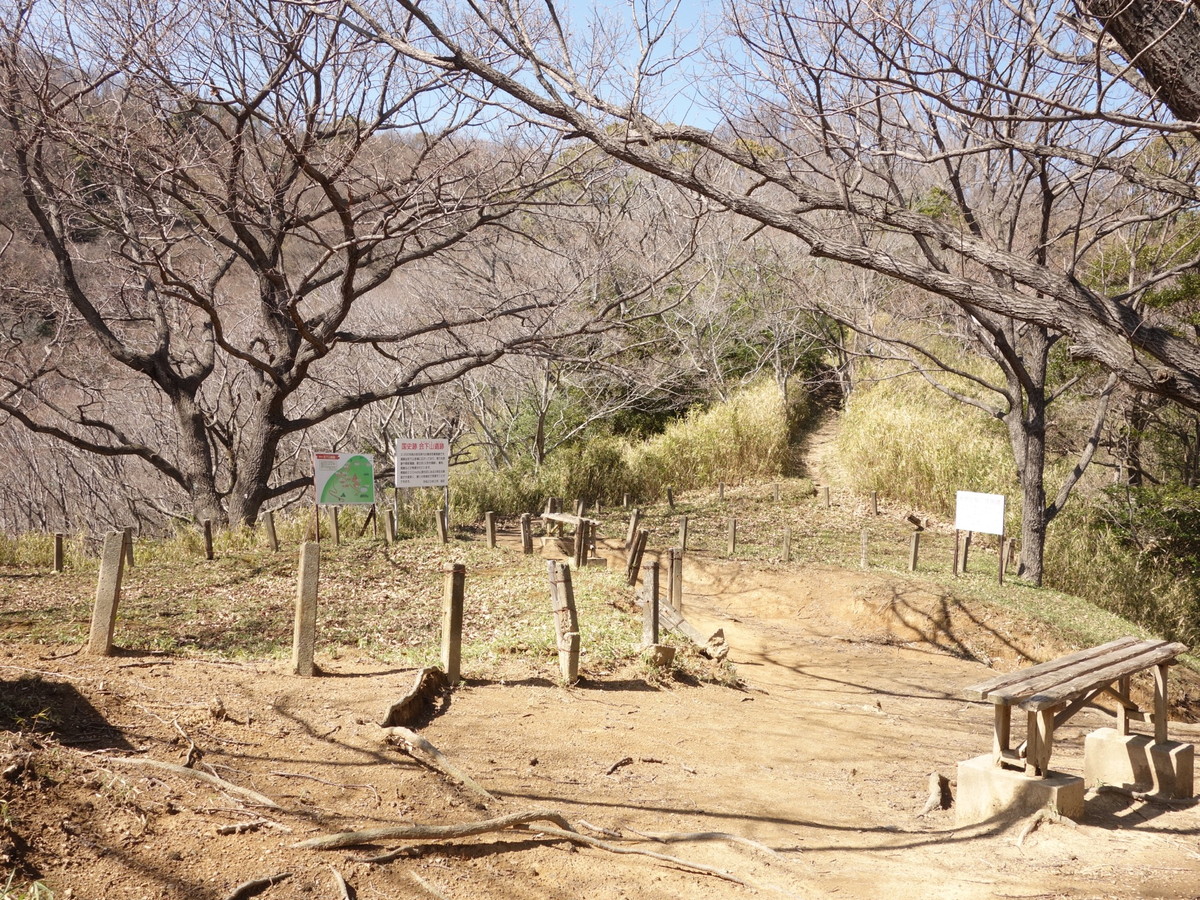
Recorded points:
(422,462)
(344,479)
(979,512)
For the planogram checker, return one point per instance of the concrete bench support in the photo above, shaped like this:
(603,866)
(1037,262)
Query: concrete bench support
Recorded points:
(1138,762)
(989,792)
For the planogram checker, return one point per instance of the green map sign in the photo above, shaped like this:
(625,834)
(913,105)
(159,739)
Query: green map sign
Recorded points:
(344,479)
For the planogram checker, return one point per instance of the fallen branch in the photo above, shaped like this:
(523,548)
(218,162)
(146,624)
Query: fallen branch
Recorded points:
(416,746)
(430,683)
(341,784)
(220,783)
(431,832)
(257,886)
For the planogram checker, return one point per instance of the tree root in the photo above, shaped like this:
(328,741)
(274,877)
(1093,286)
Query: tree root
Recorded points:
(431,832)
(423,751)
(220,783)
(257,886)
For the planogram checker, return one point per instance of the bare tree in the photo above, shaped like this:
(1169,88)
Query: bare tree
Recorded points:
(249,214)
(985,152)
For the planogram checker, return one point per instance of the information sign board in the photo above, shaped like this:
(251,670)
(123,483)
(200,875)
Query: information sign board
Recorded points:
(344,479)
(422,462)
(983,513)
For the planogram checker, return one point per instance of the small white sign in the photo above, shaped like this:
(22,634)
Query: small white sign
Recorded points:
(344,479)
(422,462)
(983,513)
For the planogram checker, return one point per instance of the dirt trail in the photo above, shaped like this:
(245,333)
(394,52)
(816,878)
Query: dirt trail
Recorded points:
(850,702)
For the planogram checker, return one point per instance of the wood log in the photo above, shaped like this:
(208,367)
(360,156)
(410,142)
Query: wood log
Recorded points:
(432,832)
(422,750)
(429,685)
(713,646)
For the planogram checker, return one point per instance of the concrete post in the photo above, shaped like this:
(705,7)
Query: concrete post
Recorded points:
(304,631)
(128,546)
(787,544)
(452,621)
(389,525)
(108,595)
(732,549)
(440,523)
(268,520)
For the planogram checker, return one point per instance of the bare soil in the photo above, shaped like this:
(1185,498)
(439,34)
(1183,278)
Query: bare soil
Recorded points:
(850,699)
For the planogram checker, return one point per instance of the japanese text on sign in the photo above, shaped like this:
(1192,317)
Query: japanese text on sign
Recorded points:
(422,462)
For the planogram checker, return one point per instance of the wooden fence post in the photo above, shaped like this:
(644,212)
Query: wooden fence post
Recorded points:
(966,551)
(675,580)
(566,621)
(914,549)
(625,501)
(58,551)
(452,621)
(720,492)
(526,534)
(825,495)
(683,533)
(208,539)
(269,528)
(874,503)
(956,534)
(635,557)
(582,544)
(108,595)
(671,498)
(635,519)
(787,543)
(732,546)
(389,525)
(650,610)
(439,516)
(304,630)
(775,492)
(489,528)
(128,532)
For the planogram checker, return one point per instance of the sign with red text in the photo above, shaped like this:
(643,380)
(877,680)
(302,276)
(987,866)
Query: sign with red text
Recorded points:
(344,479)
(422,462)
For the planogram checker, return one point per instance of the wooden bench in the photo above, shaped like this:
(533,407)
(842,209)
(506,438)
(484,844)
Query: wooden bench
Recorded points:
(1052,692)
(563,519)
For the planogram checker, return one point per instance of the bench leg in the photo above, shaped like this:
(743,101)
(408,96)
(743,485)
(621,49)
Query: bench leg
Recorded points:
(1003,732)
(1122,709)
(1040,742)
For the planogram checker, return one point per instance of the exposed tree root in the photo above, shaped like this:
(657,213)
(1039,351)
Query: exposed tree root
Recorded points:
(257,886)
(431,832)
(220,783)
(422,750)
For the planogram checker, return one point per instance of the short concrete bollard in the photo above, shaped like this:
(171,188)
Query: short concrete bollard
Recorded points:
(787,544)
(440,523)
(452,621)
(304,631)
(268,521)
(731,548)
(108,595)
(389,526)
(1135,761)
(987,792)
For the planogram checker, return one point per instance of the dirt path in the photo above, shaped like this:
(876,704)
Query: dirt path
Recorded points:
(850,702)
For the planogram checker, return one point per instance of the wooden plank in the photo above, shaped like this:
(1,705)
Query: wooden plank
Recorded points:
(1100,659)
(1152,653)
(1160,703)
(983,689)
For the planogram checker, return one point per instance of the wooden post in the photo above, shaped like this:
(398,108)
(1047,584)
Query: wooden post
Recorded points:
(335,528)
(683,533)
(864,549)
(1000,559)
(787,543)
(914,548)
(720,492)
(1002,731)
(566,621)
(775,492)
(581,543)
(671,498)
(128,532)
(452,621)
(580,507)
(389,525)
(108,595)
(268,521)
(874,503)
(598,513)
(58,551)
(526,534)
(732,537)
(635,557)
(635,519)
(675,595)
(625,501)
(208,539)
(650,610)
(1123,684)
(489,528)
(825,495)
(966,551)
(956,534)
(304,631)
(440,523)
